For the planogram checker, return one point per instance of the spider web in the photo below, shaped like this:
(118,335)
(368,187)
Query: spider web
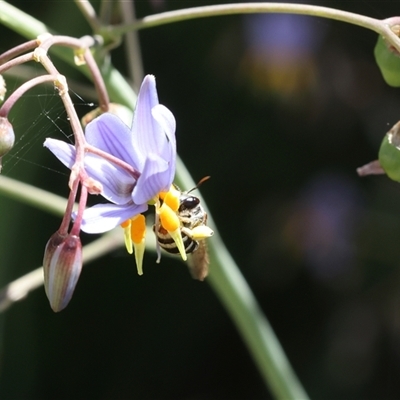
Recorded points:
(35,117)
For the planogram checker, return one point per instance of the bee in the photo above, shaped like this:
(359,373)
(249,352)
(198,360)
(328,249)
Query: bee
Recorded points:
(191,215)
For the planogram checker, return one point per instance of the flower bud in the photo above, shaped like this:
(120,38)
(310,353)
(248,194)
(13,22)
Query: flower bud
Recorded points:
(7,137)
(62,265)
(389,153)
(388,60)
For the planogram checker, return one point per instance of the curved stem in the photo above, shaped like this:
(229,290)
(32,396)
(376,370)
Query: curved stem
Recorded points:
(6,107)
(381,27)
(15,51)
(248,8)
(16,61)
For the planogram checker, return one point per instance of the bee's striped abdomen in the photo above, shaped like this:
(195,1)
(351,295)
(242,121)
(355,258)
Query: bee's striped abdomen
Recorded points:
(167,243)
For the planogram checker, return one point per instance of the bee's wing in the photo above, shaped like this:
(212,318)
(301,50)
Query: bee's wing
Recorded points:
(198,261)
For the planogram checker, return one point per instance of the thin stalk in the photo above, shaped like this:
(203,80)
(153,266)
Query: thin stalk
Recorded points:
(16,51)
(381,27)
(17,94)
(132,45)
(247,8)
(89,13)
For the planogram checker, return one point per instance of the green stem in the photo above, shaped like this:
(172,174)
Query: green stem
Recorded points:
(32,195)
(248,8)
(382,27)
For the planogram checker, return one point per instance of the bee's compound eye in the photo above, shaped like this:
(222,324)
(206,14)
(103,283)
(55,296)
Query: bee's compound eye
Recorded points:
(189,202)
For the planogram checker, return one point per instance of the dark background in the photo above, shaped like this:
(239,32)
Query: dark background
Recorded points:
(280,111)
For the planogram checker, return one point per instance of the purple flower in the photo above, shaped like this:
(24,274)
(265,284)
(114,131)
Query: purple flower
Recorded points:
(146,155)
(148,146)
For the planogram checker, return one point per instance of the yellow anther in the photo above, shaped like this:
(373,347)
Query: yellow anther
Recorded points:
(138,228)
(168,218)
(177,236)
(134,233)
(170,222)
(172,199)
(126,225)
(139,251)
(161,195)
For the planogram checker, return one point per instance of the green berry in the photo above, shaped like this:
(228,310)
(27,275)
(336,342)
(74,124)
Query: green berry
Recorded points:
(389,153)
(388,60)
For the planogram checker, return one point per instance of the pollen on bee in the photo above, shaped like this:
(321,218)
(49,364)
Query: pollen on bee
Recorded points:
(199,232)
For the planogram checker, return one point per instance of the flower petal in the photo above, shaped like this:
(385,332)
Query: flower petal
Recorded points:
(153,180)
(148,136)
(110,134)
(104,217)
(117,183)
(63,151)
(166,120)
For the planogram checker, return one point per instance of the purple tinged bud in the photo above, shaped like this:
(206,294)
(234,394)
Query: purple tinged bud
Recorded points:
(7,137)
(62,265)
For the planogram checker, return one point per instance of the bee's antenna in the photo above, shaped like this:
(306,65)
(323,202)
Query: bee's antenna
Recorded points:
(200,182)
